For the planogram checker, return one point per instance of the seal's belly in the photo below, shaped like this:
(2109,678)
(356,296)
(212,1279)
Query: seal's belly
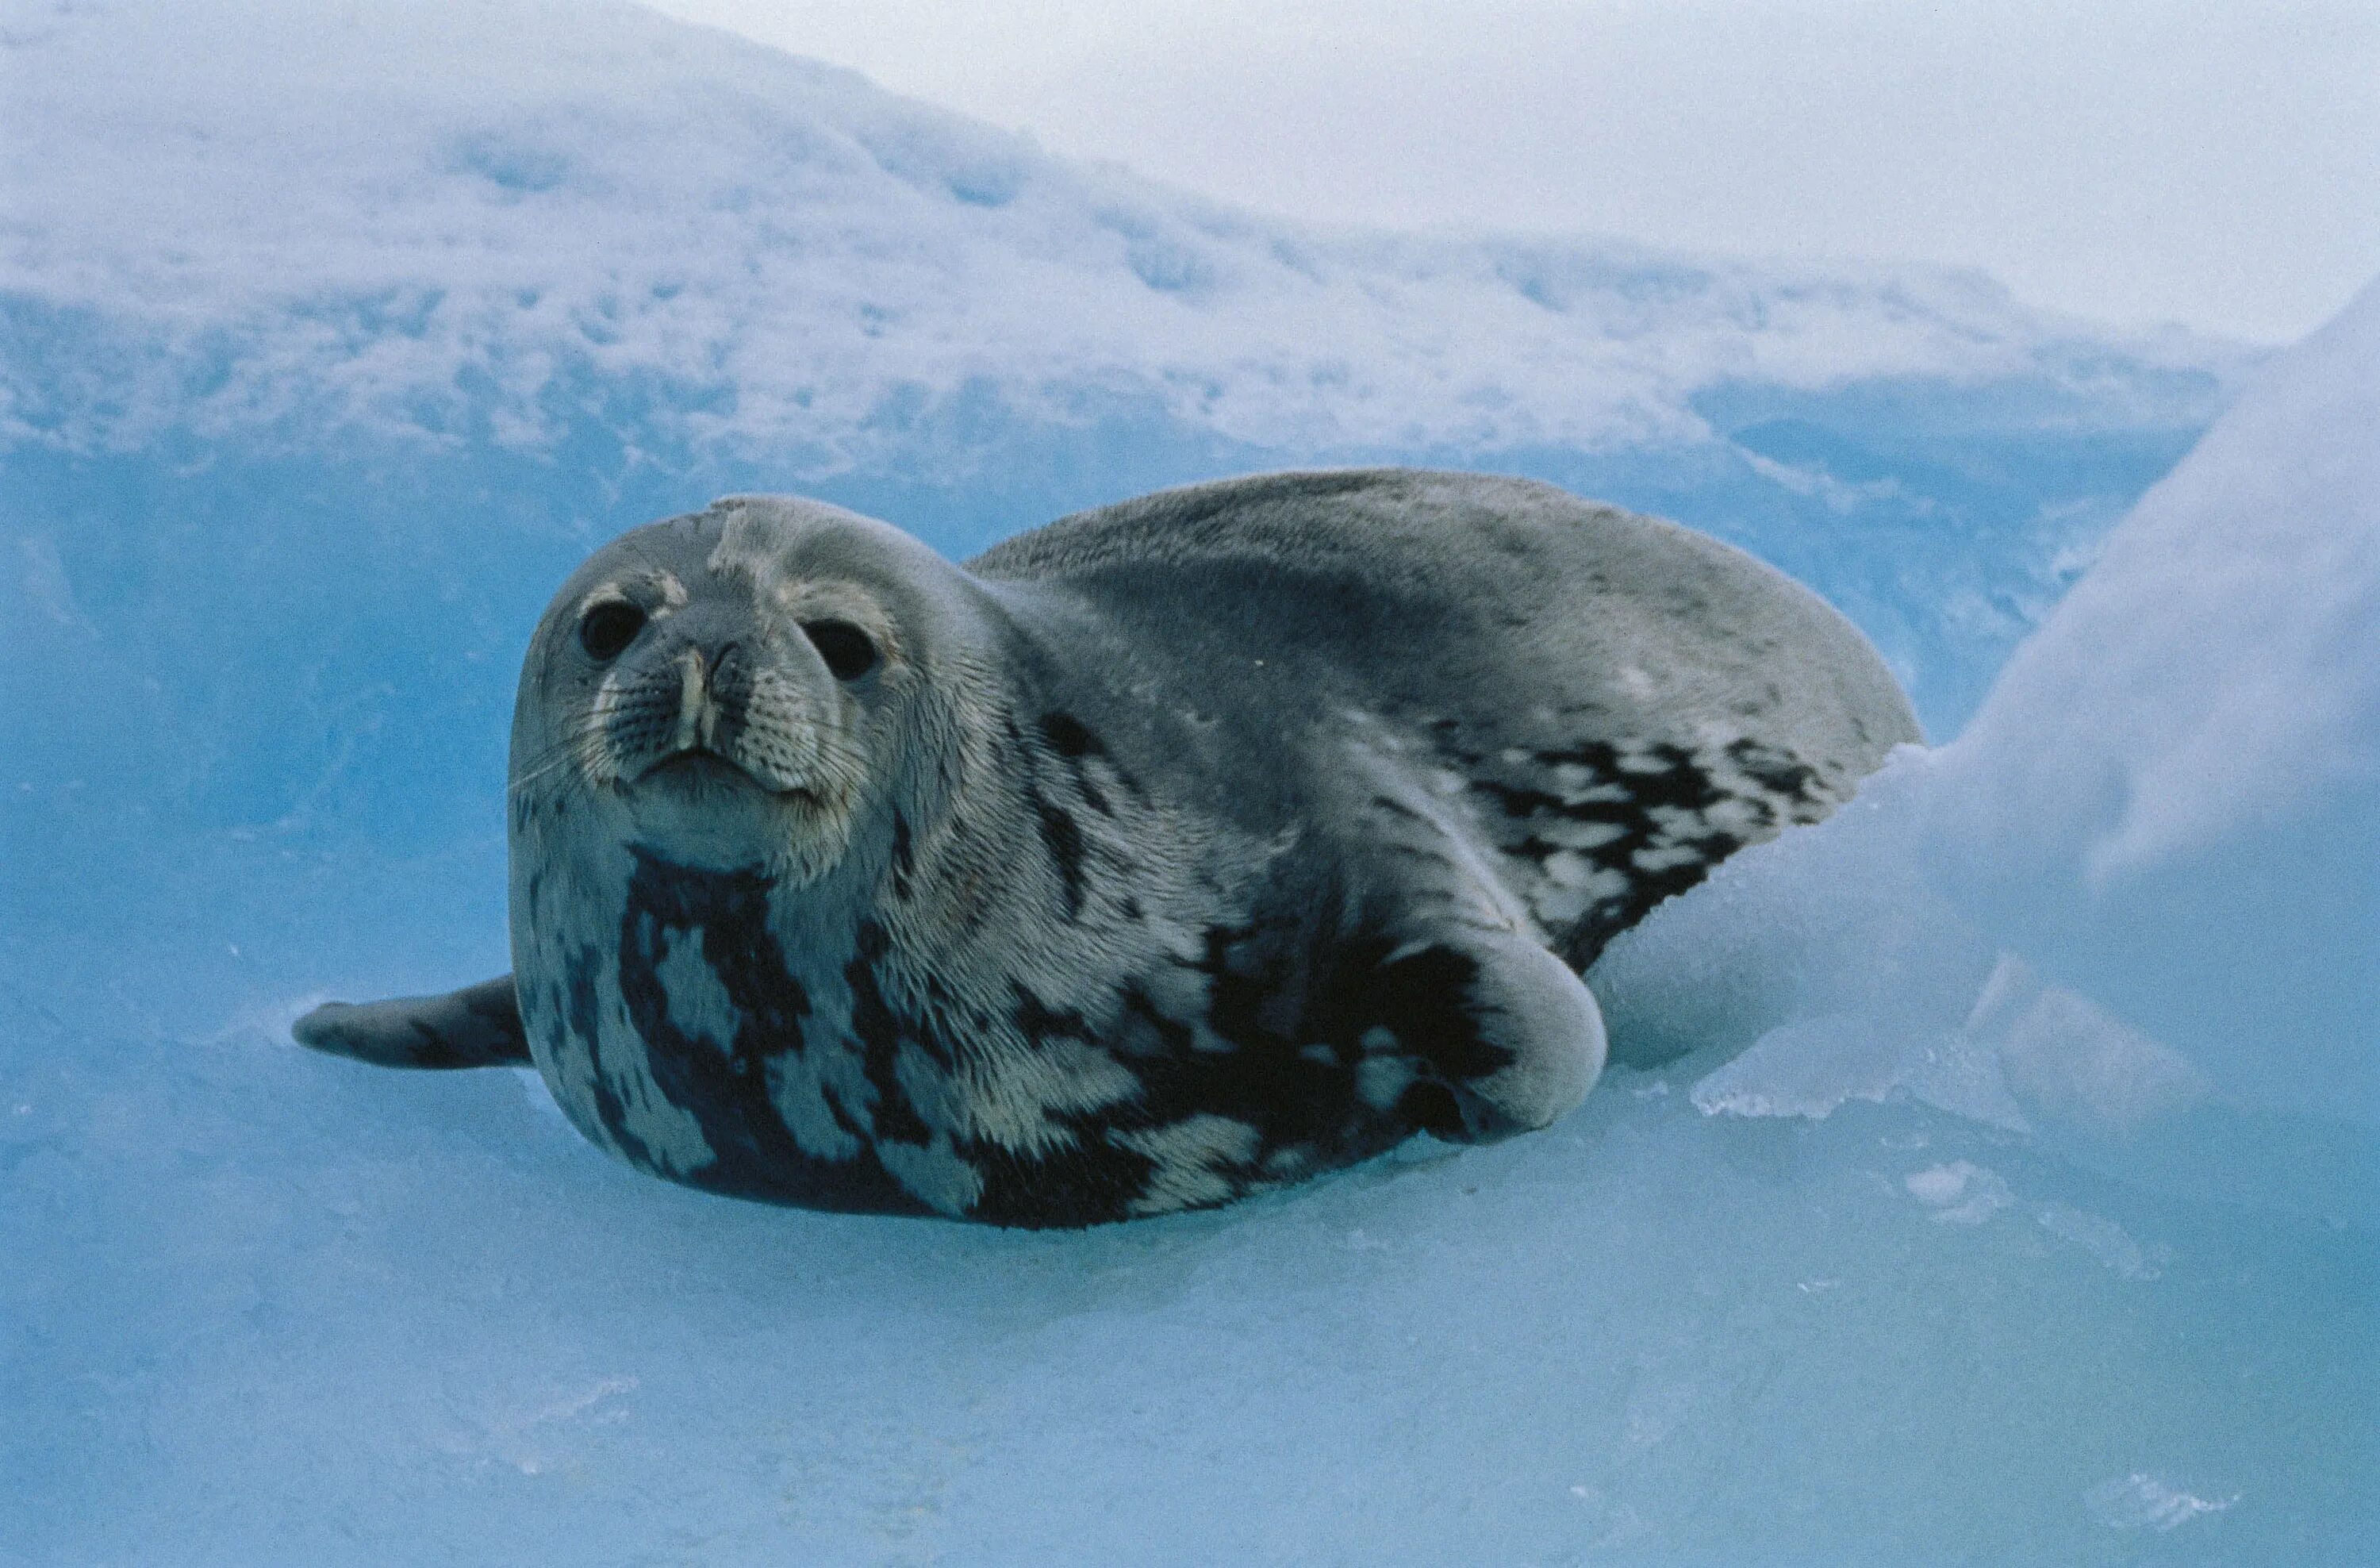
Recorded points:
(697,1049)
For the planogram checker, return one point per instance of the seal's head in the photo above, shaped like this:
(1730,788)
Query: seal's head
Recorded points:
(742,686)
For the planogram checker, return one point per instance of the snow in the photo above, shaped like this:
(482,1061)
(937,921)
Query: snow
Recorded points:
(581,261)
(2142,891)
(1990,1172)
(785,253)
(2217,663)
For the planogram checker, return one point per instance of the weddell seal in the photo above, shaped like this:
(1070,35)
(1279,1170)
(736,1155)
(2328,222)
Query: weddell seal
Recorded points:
(1171,852)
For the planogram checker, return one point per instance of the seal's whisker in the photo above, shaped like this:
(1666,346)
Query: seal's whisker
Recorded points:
(577,746)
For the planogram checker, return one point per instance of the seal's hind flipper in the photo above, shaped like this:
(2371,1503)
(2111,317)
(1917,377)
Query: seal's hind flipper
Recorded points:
(476,1026)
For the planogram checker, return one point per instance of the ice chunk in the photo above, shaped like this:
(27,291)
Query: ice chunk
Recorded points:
(1960,1192)
(2170,800)
(2064,1055)
(1812,1066)
(2141,1502)
(2106,1240)
(1806,1069)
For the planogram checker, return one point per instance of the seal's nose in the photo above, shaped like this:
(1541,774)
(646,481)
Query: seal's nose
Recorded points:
(697,716)
(706,679)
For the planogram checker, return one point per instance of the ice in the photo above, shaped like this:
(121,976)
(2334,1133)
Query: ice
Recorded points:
(1812,1066)
(2140,898)
(2137,1502)
(1960,1192)
(2176,784)
(2105,1240)
(363,218)
(287,1309)
(1989,1172)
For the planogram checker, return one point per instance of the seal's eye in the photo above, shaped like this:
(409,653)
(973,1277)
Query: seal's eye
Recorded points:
(845,648)
(608,628)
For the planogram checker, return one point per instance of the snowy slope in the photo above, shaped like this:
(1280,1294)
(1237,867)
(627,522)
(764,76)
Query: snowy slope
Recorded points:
(2139,900)
(565,265)
(411,219)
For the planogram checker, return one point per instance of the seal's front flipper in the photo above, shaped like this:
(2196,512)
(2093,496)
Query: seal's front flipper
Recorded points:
(1502,1036)
(476,1026)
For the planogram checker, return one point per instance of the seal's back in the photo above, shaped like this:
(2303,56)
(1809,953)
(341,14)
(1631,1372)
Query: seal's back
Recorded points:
(1618,703)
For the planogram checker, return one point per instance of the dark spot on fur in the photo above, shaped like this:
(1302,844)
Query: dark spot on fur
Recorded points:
(1777,771)
(844,1116)
(1170,1034)
(1431,1108)
(878,1034)
(1068,737)
(1077,746)
(1039,1023)
(1062,837)
(725,1084)
(1520,801)
(1091,1185)
(904,866)
(1424,1000)
(586,1014)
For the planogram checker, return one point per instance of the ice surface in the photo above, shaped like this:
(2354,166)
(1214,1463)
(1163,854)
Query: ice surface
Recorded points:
(289,1309)
(1946,1213)
(2138,1501)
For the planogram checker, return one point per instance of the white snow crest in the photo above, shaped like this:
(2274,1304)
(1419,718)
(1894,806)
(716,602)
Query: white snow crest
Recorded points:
(2222,660)
(405,219)
(2142,886)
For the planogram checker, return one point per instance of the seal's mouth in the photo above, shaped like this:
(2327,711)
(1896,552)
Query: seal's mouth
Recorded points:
(697,768)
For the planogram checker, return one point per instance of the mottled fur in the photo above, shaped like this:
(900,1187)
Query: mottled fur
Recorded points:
(1170,852)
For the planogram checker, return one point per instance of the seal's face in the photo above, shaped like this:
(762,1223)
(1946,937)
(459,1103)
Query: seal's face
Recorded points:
(726,688)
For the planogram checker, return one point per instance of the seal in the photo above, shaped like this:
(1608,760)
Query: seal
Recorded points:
(1168,852)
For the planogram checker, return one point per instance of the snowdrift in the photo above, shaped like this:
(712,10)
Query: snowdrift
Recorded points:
(2139,899)
(437,294)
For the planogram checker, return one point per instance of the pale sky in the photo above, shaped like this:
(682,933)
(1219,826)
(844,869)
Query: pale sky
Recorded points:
(2211,162)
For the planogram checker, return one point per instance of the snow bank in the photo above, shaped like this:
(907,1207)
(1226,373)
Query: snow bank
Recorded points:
(412,220)
(417,293)
(2173,794)
(2140,895)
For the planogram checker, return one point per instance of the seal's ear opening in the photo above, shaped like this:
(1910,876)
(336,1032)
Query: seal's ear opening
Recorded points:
(476,1026)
